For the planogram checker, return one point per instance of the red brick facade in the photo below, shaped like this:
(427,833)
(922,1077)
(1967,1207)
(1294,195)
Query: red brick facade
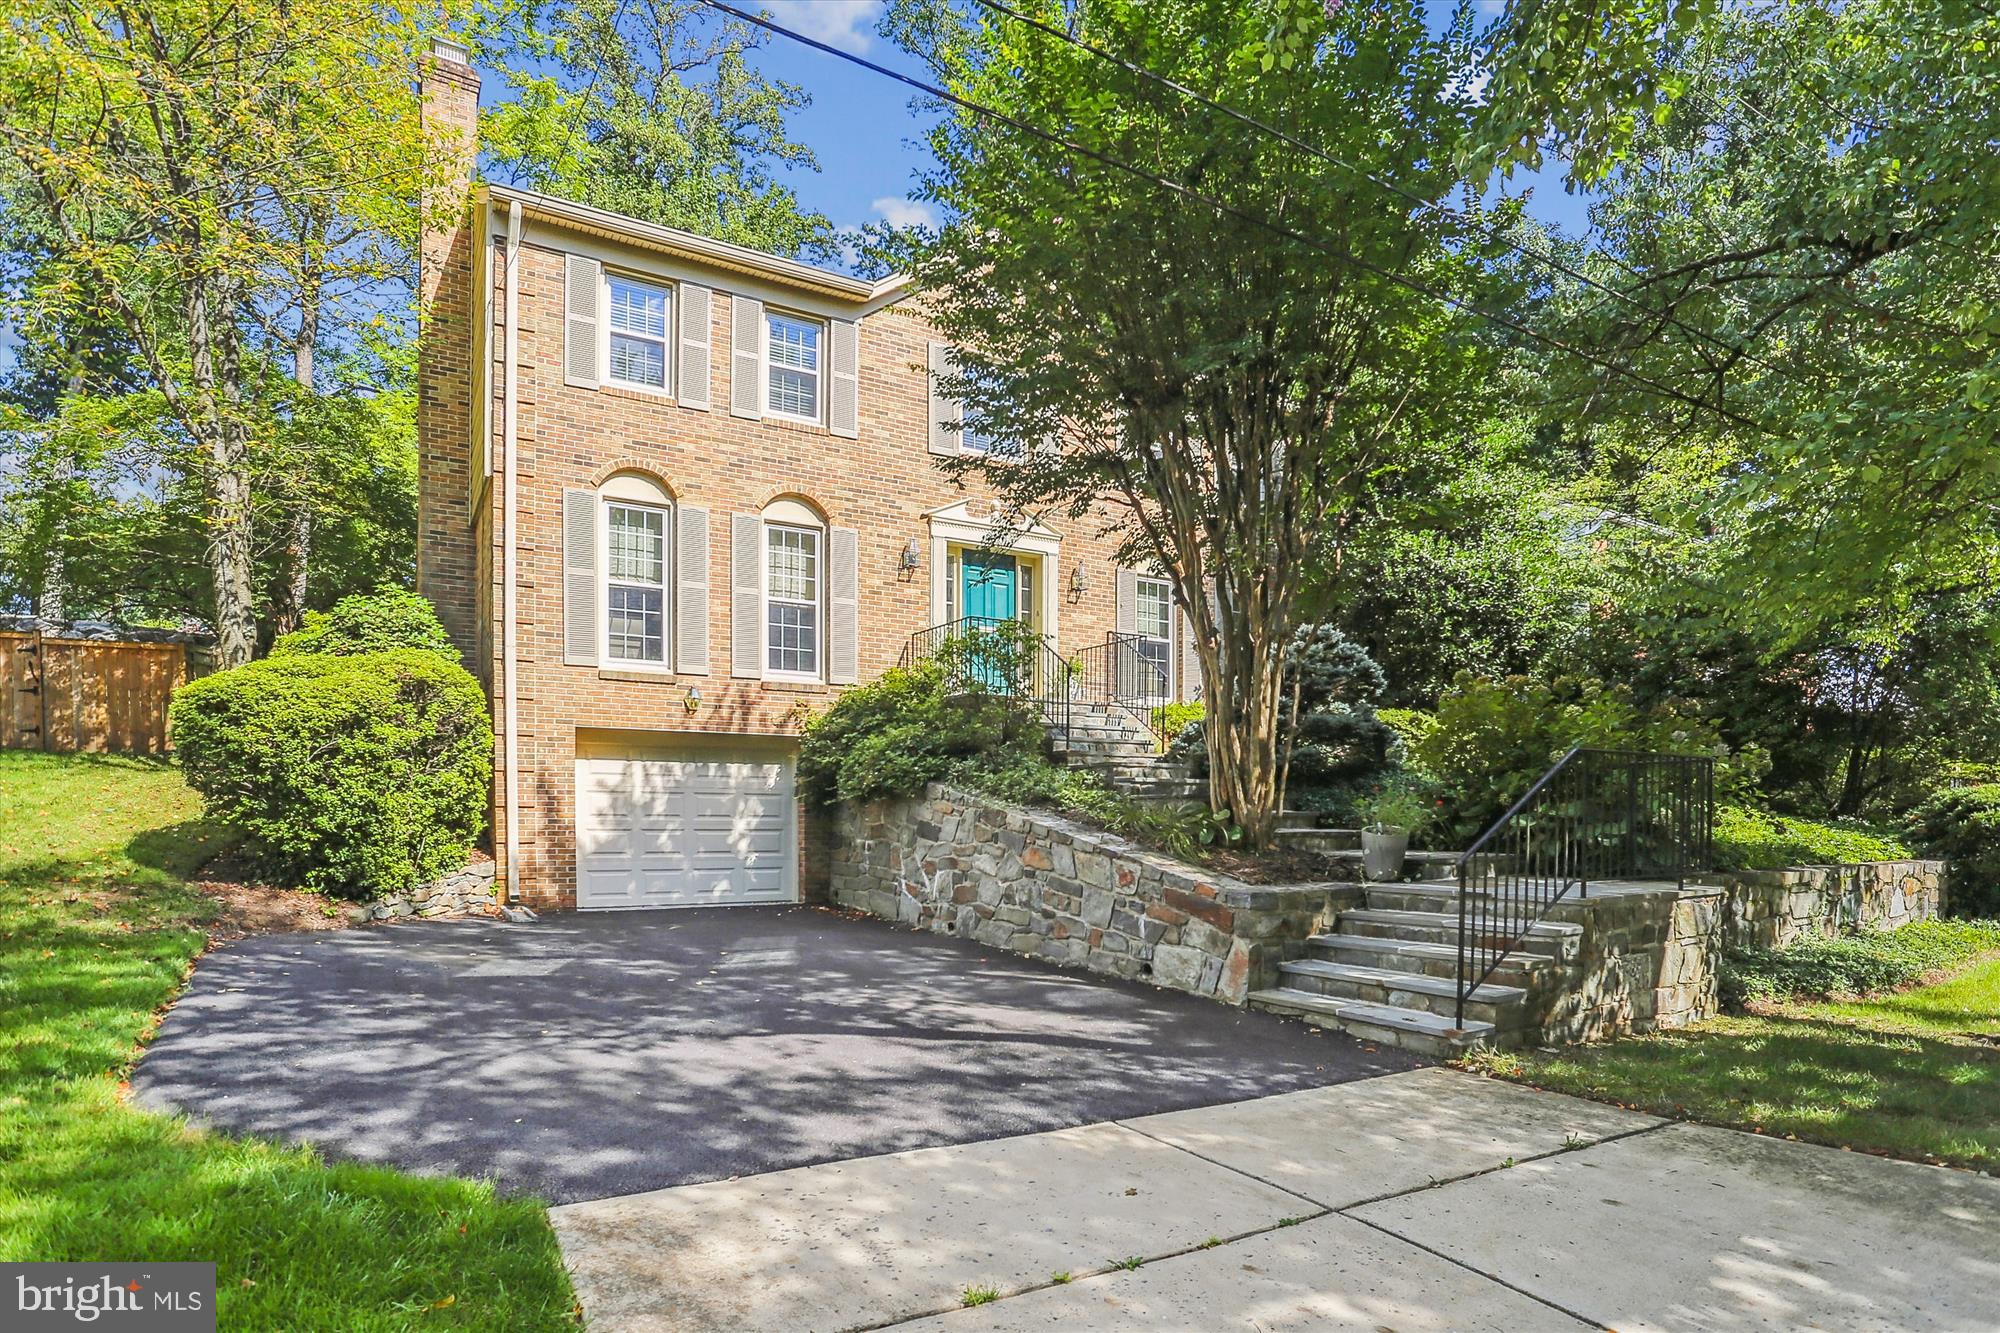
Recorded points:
(884,485)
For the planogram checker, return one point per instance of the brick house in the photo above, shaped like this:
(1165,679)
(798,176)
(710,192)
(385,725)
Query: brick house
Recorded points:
(674,495)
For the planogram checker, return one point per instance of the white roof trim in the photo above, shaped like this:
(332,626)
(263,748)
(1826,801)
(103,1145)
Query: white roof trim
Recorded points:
(689,245)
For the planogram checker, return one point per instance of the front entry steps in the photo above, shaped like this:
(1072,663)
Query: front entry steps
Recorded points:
(1388,971)
(1113,743)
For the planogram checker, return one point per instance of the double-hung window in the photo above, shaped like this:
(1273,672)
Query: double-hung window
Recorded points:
(792,366)
(1154,620)
(791,601)
(635,593)
(638,333)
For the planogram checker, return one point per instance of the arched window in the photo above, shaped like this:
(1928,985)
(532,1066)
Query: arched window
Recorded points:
(637,523)
(794,592)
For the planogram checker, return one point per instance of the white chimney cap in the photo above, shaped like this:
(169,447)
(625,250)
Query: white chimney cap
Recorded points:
(448,52)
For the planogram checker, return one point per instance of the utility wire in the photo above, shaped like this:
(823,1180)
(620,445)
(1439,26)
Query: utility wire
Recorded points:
(1242,215)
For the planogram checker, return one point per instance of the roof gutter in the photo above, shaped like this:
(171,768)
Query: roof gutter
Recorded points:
(688,245)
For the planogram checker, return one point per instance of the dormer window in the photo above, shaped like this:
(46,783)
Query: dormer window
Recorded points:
(637,327)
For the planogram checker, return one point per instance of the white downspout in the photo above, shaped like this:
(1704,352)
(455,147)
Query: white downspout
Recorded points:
(510,748)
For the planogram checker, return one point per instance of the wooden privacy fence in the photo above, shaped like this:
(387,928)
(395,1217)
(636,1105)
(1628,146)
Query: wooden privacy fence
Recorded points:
(87,694)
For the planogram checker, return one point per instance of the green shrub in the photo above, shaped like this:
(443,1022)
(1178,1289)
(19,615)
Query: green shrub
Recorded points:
(361,775)
(1823,966)
(1411,725)
(1492,739)
(1750,839)
(377,622)
(1962,827)
(1170,720)
(909,728)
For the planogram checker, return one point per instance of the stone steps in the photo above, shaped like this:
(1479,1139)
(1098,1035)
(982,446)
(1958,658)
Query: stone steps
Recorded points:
(1415,1030)
(1436,960)
(1559,940)
(1490,1003)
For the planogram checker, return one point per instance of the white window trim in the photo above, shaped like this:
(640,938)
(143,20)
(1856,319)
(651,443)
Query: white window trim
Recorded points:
(817,677)
(1139,582)
(605,661)
(665,389)
(820,376)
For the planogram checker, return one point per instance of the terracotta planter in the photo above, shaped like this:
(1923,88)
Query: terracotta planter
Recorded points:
(1382,852)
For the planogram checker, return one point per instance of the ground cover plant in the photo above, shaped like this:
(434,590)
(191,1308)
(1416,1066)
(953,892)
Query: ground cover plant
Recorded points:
(98,928)
(1751,839)
(1909,1073)
(1867,962)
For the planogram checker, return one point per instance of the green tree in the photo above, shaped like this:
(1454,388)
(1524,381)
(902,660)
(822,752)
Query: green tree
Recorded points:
(1240,398)
(1802,212)
(168,155)
(652,108)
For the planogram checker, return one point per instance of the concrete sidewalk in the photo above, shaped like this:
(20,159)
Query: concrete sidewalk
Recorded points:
(1430,1200)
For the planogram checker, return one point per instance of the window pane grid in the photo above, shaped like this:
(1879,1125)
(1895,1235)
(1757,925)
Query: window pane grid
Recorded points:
(791,628)
(793,366)
(1155,609)
(635,600)
(638,326)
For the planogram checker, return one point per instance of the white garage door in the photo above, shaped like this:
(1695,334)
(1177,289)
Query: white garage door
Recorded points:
(693,832)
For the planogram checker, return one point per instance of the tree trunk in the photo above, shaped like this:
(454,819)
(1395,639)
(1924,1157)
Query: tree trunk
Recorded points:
(289,606)
(52,592)
(215,367)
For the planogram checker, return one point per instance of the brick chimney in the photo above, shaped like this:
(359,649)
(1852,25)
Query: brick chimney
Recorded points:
(447,570)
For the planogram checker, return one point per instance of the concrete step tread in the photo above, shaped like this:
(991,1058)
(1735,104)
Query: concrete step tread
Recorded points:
(1419,1021)
(1392,916)
(1490,993)
(1420,949)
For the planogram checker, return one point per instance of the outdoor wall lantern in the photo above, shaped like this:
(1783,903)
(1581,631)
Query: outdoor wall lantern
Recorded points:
(910,556)
(693,700)
(1078,582)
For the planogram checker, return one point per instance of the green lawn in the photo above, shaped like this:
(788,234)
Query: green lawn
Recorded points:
(97,931)
(1892,1074)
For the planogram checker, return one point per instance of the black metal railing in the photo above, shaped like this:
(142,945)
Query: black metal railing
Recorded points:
(1000,657)
(1122,673)
(1596,815)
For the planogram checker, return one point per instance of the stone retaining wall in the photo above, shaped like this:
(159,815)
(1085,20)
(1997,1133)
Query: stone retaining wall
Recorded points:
(1767,908)
(1648,956)
(1040,885)
(462,891)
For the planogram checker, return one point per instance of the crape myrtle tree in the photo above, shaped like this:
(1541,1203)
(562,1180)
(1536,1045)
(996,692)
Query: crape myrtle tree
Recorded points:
(1239,386)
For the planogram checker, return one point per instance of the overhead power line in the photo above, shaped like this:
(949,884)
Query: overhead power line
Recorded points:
(1227,209)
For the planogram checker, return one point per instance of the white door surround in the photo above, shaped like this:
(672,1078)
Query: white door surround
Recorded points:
(956,524)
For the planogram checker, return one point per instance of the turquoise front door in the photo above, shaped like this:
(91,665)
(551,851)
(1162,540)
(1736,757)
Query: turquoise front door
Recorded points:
(987,586)
(987,591)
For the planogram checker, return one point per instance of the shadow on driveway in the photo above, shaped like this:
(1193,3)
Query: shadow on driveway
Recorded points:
(595,1054)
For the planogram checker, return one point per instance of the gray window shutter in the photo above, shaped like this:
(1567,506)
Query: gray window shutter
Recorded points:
(691,592)
(692,387)
(1190,680)
(947,414)
(1128,601)
(746,357)
(843,567)
(580,284)
(746,596)
(843,403)
(580,592)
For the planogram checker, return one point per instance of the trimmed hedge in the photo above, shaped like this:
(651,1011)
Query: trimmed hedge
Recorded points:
(1747,839)
(361,775)
(377,622)
(1962,827)
(1824,966)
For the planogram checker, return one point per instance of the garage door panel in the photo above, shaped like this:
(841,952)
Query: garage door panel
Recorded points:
(684,832)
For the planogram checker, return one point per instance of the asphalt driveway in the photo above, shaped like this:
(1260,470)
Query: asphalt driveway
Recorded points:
(596,1054)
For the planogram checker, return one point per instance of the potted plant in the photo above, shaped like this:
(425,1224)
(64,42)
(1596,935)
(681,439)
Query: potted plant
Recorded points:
(1390,814)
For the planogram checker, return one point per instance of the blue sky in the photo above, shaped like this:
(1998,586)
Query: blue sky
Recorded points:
(868,137)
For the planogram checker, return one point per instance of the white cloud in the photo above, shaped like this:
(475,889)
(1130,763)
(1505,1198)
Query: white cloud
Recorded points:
(847,24)
(905,212)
